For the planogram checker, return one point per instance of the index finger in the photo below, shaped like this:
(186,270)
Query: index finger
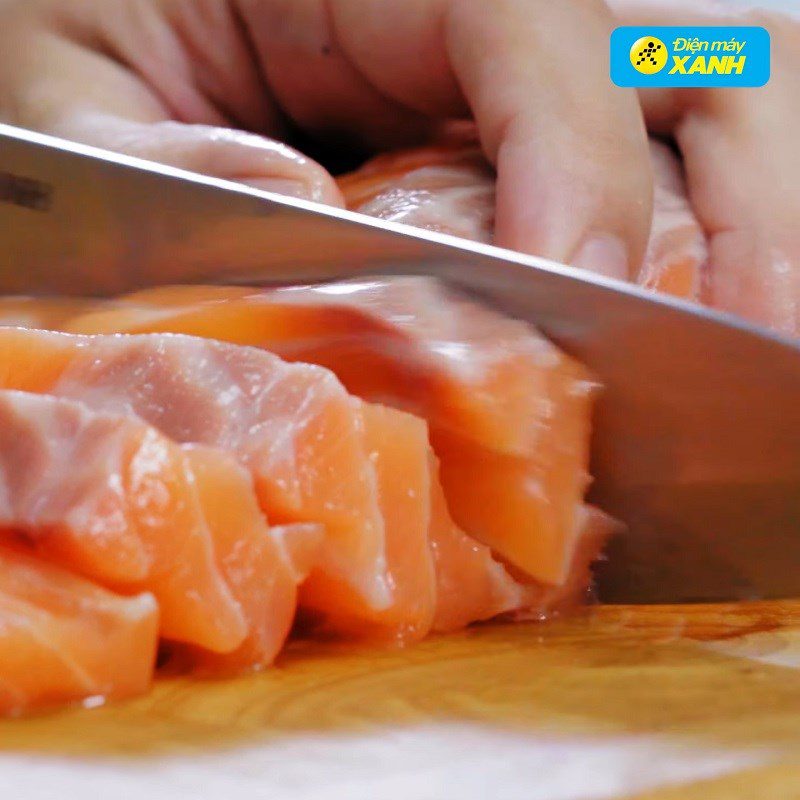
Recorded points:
(574,177)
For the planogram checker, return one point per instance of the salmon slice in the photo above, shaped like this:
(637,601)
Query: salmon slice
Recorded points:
(48,313)
(113,500)
(495,392)
(470,584)
(206,310)
(449,187)
(442,579)
(293,426)
(64,639)
(595,528)
(261,578)
(528,509)
(398,447)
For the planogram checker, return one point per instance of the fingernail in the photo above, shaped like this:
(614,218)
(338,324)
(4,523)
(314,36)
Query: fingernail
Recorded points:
(605,255)
(285,186)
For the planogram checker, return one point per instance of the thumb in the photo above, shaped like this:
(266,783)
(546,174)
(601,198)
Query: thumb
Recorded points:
(227,153)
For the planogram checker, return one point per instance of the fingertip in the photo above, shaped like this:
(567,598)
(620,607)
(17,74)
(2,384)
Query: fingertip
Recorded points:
(260,162)
(320,189)
(556,200)
(226,153)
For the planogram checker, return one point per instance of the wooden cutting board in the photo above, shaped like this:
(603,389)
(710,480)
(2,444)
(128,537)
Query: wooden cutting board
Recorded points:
(619,702)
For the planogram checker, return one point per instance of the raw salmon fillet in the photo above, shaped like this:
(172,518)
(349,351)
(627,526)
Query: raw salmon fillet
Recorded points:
(261,572)
(443,578)
(169,381)
(64,639)
(449,187)
(111,499)
(470,584)
(397,446)
(509,414)
(234,485)
(292,425)
(49,313)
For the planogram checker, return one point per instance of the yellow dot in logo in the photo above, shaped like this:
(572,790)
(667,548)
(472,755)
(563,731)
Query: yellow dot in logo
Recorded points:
(648,55)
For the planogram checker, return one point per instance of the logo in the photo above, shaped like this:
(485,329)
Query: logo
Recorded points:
(690,56)
(648,55)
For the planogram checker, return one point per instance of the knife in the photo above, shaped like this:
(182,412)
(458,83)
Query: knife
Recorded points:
(696,442)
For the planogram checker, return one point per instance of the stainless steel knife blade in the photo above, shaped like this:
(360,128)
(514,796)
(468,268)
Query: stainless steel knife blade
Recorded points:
(697,434)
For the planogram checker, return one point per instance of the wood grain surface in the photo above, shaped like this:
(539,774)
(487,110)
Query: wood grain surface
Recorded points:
(658,702)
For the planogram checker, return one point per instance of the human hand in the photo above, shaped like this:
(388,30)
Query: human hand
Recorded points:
(215,86)
(178,81)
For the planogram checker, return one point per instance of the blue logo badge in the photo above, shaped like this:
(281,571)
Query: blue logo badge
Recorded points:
(690,56)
